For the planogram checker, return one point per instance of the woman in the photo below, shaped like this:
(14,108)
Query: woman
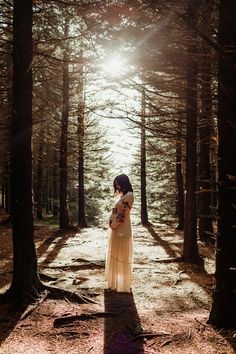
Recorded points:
(118,272)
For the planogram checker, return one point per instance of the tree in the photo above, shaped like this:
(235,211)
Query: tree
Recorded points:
(39,179)
(223,310)
(64,216)
(5,100)
(25,279)
(190,249)
(144,212)
(205,134)
(179,177)
(81,135)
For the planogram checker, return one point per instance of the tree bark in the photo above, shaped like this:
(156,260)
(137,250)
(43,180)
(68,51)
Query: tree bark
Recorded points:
(81,195)
(25,277)
(8,143)
(39,182)
(2,189)
(190,249)
(179,178)
(63,209)
(223,310)
(55,183)
(205,134)
(144,212)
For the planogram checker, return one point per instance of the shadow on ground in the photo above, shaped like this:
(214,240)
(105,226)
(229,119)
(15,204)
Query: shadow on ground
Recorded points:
(165,244)
(122,328)
(195,272)
(51,247)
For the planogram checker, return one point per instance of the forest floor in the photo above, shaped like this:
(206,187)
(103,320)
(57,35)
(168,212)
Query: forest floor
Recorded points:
(166,312)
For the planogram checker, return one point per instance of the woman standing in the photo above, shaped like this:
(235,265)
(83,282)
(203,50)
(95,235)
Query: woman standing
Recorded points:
(118,273)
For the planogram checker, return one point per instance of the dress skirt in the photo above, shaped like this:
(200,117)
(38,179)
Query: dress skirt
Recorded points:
(119,262)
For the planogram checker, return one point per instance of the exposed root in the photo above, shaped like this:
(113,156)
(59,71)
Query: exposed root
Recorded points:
(169,260)
(76,267)
(177,337)
(57,293)
(28,301)
(43,296)
(152,335)
(46,277)
(6,222)
(67,321)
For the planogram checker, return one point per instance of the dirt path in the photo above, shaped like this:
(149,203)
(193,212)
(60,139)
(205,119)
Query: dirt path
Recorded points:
(166,312)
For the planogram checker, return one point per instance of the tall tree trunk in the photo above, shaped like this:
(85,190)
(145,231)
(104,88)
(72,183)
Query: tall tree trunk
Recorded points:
(25,277)
(223,309)
(205,133)
(144,212)
(9,117)
(7,185)
(39,182)
(55,184)
(81,197)
(190,249)
(46,184)
(64,215)
(2,189)
(179,178)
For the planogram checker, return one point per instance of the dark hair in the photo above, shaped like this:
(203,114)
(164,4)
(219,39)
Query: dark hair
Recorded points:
(124,183)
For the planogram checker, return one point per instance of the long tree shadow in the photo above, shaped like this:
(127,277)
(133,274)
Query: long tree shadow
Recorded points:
(196,274)
(165,244)
(194,271)
(122,325)
(50,247)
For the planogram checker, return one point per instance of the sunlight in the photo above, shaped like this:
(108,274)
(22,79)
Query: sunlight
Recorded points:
(118,101)
(114,66)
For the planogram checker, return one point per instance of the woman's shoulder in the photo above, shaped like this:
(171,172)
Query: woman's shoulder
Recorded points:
(129,196)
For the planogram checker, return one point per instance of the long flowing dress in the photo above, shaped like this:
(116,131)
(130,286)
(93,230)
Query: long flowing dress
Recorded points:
(119,262)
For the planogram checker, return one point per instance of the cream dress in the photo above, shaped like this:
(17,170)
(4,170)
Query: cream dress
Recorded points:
(119,260)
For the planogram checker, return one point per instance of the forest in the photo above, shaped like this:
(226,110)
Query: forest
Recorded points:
(91,89)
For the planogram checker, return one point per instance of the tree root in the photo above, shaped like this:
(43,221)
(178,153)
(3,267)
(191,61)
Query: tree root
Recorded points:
(43,296)
(30,299)
(57,293)
(75,267)
(67,321)
(6,222)
(46,277)
(169,260)
(152,335)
